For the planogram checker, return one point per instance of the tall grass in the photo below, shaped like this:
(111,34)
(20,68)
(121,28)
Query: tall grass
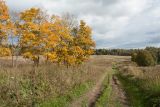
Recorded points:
(47,85)
(146,82)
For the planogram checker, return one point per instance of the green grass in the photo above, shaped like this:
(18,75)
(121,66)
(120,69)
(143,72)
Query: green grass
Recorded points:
(134,93)
(137,95)
(103,100)
(84,103)
(64,101)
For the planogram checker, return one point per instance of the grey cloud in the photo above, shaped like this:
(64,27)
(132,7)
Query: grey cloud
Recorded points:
(115,23)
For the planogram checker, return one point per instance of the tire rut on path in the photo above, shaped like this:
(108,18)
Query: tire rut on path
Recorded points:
(92,95)
(118,96)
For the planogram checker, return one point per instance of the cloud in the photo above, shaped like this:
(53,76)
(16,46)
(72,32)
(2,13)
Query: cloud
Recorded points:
(115,23)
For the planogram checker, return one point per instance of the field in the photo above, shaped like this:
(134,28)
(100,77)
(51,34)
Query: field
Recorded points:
(103,81)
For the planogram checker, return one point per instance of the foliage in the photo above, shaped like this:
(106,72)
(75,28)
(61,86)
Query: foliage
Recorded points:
(133,57)
(47,84)
(119,52)
(155,53)
(42,35)
(142,84)
(4,51)
(52,38)
(83,42)
(144,58)
(4,29)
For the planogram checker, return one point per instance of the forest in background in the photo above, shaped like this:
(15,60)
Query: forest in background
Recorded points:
(143,57)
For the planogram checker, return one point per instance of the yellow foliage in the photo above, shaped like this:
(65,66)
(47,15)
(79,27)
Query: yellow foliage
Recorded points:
(4,22)
(5,52)
(70,60)
(78,50)
(84,43)
(30,15)
(50,37)
(4,16)
(27,55)
(89,51)
(51,56)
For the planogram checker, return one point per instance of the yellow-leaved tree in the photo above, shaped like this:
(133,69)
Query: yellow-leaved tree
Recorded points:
(65,41)
(55,38)
(50,39)
(84,44)
(37,37)
(4,29)
(31,38)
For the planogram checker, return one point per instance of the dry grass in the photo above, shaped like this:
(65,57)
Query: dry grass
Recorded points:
(147,80)
(150,75)
(25,85)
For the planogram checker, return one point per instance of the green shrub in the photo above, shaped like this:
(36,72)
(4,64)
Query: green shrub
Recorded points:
(158,59)
(133,57)
(145,58)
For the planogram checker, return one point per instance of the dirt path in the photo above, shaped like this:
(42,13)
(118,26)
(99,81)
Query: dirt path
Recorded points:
(118,96)
(91,96)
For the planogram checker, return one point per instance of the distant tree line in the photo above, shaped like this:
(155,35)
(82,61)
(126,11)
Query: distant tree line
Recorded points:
(119,52)
(143,57)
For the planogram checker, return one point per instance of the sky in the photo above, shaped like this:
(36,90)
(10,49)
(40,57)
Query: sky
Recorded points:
(115,23)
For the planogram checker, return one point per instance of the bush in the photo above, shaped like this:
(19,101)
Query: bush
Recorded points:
(144,58)
(133,57)
(158,59)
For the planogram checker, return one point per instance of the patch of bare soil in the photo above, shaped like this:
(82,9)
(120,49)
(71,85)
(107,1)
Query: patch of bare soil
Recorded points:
(118,96)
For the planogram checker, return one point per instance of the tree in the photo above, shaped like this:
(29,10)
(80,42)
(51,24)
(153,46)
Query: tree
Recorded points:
(51,40)
(64,55)
(133,57)
(83,42)
(4,28)
(70,21)
(145,58)
(37,36)
(12,34)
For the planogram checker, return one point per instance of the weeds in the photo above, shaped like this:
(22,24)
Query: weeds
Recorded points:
(25,86)
(142,85)
(106,91)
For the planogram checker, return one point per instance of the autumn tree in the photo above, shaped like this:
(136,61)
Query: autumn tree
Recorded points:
(57,39)
(50,40)
(4,28)
(80,46)
(70,21)
(12,34)
(65,41)
(39,36)
(83,42)
(31,38)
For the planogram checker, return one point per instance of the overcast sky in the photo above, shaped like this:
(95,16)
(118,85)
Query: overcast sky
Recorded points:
(115,23)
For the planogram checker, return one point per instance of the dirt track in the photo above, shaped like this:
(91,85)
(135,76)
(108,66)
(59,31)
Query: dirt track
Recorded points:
(118,95)
(92,95)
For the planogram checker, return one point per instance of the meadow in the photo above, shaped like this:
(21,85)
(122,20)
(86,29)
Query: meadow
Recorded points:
(142,84)
(47,85)
(93,83)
